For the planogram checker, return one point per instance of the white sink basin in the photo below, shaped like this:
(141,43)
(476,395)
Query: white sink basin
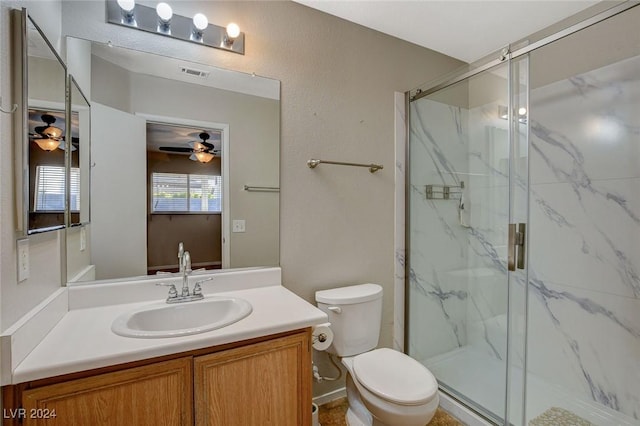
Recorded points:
(163,320)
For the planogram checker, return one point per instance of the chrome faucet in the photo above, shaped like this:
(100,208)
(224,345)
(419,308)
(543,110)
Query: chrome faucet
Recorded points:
(185,269)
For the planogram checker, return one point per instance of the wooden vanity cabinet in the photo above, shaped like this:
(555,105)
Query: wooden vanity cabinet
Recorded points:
(155,394)
(264,381)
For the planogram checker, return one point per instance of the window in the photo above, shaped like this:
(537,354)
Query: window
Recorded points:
(180,192)
(50,189)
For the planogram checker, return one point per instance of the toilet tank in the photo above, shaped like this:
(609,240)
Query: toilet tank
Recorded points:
(355,314)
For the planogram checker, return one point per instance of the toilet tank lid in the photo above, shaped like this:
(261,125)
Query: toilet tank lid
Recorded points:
(350,294)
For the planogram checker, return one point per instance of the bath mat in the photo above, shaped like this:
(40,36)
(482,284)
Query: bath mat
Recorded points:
(559,417)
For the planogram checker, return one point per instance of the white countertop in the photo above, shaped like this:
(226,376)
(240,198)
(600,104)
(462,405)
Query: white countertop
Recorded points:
(83,339)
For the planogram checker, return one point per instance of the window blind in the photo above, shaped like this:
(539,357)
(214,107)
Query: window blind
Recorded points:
(50,191)
(179,192)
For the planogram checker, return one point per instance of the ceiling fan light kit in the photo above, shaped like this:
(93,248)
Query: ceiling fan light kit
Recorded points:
(47,137)
(204,157)
(201,150)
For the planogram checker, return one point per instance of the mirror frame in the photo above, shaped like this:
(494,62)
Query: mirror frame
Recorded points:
(20,20)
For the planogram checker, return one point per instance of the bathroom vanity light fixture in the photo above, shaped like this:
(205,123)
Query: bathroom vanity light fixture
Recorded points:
(231,33)
(200,23)
(127,11)
(161,20)
(164,12)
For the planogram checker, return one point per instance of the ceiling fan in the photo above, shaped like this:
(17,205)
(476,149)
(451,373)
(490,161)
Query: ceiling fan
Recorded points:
(201,150)
(48,137)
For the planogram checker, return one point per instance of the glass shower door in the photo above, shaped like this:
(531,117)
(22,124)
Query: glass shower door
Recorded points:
(467,170)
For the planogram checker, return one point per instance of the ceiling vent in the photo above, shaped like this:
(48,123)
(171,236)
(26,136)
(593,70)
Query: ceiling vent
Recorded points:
(194,72)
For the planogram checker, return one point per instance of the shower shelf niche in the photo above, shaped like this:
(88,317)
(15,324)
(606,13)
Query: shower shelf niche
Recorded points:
(443,192)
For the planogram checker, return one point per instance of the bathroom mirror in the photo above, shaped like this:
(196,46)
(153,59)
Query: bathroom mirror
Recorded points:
(43,138)
(180,152)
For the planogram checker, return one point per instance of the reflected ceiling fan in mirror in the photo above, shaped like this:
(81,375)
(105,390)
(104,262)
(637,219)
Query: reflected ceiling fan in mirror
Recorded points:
(48,137)
(201,150)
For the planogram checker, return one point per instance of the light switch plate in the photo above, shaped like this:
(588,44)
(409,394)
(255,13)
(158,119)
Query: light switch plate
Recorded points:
(238,225)
(23,259)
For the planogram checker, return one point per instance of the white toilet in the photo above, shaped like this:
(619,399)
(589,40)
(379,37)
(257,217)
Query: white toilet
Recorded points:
(384,387)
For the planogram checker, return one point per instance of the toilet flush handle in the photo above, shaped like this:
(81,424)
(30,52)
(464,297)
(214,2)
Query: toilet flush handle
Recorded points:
(336,309)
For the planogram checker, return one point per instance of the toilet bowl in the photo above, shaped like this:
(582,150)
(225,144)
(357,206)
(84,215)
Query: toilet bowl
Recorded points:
(384,386)
(394,388)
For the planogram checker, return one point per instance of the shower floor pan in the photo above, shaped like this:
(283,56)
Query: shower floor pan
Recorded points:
(480,377)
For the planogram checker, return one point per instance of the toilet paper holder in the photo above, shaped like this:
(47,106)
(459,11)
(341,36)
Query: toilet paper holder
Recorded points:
(321,337)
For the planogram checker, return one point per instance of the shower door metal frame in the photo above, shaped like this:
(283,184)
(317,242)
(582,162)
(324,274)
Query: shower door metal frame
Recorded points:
(613,11)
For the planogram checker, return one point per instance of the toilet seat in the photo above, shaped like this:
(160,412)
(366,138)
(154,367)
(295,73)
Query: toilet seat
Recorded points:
(395,377)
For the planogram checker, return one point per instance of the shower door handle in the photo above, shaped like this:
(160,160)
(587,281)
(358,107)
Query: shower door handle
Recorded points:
(516,246)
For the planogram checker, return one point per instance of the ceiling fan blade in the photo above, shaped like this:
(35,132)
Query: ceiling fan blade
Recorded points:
(40,129)
(201,146)
(175,149)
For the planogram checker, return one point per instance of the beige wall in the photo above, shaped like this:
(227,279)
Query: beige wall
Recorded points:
(110,84)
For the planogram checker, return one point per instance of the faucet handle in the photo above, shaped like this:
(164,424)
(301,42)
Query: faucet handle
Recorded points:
(172,289)
(197,289)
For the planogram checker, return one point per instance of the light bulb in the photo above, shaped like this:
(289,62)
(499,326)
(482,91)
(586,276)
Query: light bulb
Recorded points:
(522,111)
(200,21)
(127,5)
(164,12)
(233,30)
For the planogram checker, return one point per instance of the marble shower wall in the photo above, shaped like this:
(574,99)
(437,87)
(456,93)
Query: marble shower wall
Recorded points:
(458,276)
(438,245)
(584,251)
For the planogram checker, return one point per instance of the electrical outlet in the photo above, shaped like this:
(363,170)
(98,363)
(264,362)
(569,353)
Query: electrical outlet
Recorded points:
(238,225)
(23,259)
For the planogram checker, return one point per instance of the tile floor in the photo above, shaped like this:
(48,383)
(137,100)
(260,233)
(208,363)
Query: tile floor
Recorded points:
(332,414)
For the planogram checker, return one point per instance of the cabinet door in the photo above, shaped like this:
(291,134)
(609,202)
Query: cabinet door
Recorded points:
(266,383)
(157,394)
